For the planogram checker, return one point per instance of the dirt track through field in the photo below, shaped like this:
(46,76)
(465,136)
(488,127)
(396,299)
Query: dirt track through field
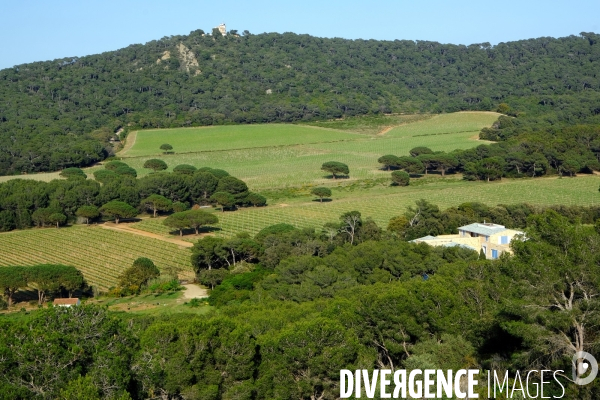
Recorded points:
(125,228)
(385,130)
(129,142)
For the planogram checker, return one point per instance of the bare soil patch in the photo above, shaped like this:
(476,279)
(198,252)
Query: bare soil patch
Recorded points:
(194,291)
(125,228)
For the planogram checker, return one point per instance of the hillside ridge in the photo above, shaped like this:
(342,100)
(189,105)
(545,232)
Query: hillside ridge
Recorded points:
(61,113)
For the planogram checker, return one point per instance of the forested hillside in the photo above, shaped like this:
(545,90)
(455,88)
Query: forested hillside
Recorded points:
(62,113)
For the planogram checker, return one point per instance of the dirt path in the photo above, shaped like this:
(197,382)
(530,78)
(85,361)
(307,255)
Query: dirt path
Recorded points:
(130,141)
(125,228)
(385,130)
(194,292)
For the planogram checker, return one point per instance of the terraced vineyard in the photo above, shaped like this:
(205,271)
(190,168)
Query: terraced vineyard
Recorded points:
(100,254)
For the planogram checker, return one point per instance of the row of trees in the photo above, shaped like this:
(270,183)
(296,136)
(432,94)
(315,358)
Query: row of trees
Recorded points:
(194,219)
(117,194)
(568,152)
(280,334)
(47,279)
(63,113)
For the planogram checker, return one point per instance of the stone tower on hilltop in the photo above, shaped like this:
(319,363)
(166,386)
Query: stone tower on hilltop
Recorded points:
(223,29)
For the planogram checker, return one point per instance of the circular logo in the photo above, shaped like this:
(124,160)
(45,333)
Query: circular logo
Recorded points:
(584,363)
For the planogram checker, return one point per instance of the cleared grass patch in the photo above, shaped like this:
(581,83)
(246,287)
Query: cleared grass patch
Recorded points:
(153,304)
(440,124)
(44,176)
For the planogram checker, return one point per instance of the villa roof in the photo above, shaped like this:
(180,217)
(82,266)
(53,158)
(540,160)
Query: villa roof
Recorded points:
(483,229)
(428,237)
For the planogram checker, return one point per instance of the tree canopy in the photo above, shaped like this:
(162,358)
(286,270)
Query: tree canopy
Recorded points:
(335,168)
(155,164)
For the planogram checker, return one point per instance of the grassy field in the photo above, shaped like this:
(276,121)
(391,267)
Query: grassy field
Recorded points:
(153,304)
(291,155)
(383,202)
(44,176)
(228,137)
(100,254)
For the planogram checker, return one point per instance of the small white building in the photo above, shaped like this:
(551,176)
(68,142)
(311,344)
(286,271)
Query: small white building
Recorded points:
(67,302)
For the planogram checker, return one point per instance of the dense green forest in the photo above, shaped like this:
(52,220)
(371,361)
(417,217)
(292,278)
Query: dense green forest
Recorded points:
(63,113)
(377,303)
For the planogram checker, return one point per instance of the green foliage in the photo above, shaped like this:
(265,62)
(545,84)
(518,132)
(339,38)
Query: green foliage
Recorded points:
(156,202)
(418,151)
(62,345)
(234,186)
(398,226)
(126,170)
(177,220)
(105,175)
(81,388)
(503,108)
(224,199)
(218,173)
(199,218)
(321,192)
(195,219)
(137,276)
(88,212)
(12,278)
(185,169)
(194,303)
(155,164)
(410,164)
(43,216)
(114,164)
(73,173)
(57,218)
(180,206)
(236,288)
(335,168)
(400,178)
(159,285)
(388,161)
(274,230)
(212,277)
(50,278)
(166,148)
(256,200)
(118,210)
(203,184)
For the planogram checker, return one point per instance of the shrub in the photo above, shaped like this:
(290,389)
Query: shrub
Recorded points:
(185,169)
(73,173)
(400,178)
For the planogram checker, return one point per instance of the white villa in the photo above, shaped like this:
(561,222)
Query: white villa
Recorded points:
(492,239)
